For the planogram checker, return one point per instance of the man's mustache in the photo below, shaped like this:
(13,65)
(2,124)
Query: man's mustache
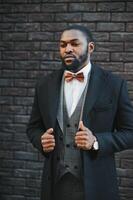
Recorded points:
(69,56)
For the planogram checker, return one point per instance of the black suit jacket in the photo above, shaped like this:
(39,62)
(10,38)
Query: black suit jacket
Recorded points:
(107,112)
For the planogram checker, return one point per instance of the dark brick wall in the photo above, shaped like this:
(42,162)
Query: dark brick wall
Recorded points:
(29,33)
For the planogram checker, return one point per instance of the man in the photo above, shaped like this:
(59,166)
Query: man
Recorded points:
(81,116)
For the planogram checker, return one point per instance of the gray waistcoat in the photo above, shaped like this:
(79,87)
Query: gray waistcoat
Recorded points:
(69,157)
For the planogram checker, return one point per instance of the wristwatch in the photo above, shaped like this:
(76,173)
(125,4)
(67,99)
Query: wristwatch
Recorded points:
(95,145)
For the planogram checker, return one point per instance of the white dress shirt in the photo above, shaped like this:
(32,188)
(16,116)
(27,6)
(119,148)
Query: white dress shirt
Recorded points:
(74,89)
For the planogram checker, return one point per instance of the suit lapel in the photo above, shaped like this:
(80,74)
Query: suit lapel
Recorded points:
(51,99)
(94,90)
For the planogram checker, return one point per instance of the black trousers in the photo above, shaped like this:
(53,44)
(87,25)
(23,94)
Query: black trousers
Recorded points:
(69,188)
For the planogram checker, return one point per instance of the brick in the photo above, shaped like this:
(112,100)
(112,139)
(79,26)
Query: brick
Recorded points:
(31,183)
(121,36)
(27,173)
(14,36)
(35,74)
(26,65)
(129,6)
(68,1)
(16,1)
(21,155)
(100,56)
(112,66)
(99,36)
(5,189)
(37,166)
(122,57)
(75,7)
(97,0)
(127,164)
(71,17)
(110,26)
(6,45)
(6,100)
(15,91)
(91,26)
(50,46)
(111,6)
(13,182)
(41,36)
(27,8)
(27,45)
(15,17)
(20,138)
(128,67)
(23,83)
(35,1)
(56,7)
(53,26)
(129,46)
(129,27)
(6,119)
(8,27)
(122,17)
(6,154)
(13,164)
(96,17)
(126,182)
(14,109)
(50,65)
(4,64)
(6,8)
(40,55)
(27,27)
(25,101)
(8,145)
(109,46)
(12,197)
(6,82)
(15,55)
(41,17)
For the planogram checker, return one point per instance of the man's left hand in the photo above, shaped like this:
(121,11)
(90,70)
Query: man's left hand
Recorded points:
(84,139)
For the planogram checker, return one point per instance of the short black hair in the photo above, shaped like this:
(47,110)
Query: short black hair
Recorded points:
(86,31)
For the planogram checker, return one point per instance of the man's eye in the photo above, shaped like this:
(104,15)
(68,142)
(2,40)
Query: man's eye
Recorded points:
(75,44)
(63,45)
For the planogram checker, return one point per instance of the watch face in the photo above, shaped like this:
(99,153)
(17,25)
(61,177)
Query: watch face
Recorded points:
(95,145)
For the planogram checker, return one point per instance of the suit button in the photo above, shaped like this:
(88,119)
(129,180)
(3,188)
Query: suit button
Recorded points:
(76,125)
(61,137)
(67,145)
(58,158)
(68,125)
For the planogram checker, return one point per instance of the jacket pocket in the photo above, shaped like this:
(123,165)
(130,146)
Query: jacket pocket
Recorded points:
(103,107)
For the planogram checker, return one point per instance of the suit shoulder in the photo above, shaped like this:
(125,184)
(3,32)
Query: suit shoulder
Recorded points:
(44,80)
(110,76)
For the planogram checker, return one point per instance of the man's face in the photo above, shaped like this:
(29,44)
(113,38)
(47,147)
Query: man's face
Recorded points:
(74,50)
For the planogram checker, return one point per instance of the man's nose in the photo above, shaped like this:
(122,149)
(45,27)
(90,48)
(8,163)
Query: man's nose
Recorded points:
(69,48)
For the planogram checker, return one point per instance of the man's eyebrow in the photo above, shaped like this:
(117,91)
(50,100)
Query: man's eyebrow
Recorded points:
(73,40)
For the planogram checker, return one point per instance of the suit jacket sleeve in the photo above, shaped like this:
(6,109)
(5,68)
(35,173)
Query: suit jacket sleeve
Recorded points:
(122,137)
(35,128)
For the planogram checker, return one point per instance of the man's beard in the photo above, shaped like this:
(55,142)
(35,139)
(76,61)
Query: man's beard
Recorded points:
(76,64)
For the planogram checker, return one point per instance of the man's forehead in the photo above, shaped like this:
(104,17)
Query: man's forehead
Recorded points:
(72,35)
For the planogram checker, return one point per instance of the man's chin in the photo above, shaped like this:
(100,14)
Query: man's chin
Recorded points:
(71,66)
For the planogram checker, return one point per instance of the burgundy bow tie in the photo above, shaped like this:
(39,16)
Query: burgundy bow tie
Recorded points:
(69,76)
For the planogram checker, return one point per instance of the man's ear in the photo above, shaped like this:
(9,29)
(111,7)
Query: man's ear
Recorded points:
(91,47)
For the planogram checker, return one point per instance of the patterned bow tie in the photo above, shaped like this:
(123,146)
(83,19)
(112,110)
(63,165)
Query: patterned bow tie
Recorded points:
(69,76)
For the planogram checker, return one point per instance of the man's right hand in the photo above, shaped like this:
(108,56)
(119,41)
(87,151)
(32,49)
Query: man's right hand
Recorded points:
(48,140)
